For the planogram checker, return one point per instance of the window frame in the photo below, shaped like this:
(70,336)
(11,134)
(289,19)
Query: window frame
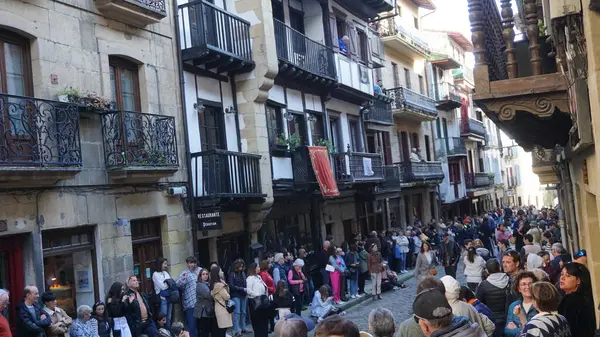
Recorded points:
(118,64)
(24,43)
(317,123)
(278,122)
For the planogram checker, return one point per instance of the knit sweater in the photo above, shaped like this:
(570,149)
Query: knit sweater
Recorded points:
(546,324)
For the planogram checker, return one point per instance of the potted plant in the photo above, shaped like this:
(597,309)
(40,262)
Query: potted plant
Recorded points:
(68,95)
(93,101)
(281,143)
(293,142)
(328,144)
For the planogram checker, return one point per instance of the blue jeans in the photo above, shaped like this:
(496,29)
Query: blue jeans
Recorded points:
(239,315)
(167,309)
(403,262)
(353,286)
(190,320)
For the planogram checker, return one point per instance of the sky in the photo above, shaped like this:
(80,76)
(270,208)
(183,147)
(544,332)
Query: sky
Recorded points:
(450,15)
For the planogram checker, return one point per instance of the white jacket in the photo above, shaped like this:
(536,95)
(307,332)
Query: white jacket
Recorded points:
(255,286)
(403,243)
(158,278)
(474,269)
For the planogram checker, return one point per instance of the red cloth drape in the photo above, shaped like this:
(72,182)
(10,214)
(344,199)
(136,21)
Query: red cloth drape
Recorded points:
(322,167)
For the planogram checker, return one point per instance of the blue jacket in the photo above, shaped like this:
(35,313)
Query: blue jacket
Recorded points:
(29,325)
(482,309)
(279,274)
(397,252)
(511,317)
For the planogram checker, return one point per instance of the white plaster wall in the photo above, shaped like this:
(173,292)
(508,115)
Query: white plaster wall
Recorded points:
(277,94)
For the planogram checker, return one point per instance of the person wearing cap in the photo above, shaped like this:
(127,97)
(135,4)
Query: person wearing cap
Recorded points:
(292,325)
(449,255)
(435,318)
(60,320)
(297,280)
(279,273)
(460,308)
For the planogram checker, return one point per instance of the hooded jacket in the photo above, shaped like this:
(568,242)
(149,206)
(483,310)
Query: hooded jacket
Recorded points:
(493,292)
(460,327)
(460,308)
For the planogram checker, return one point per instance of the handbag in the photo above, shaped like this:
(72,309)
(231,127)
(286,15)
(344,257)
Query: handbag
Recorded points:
(260,302)
(329,268)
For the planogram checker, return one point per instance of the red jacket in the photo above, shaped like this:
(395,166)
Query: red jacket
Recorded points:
(268,280)
(4,327)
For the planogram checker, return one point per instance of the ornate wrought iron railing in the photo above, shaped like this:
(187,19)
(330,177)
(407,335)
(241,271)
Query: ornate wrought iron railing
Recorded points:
(204,24)
(472,126)
(404,98)
(139,139)
(222,173)
(380,112)
(420,171)
(38,132)
(297,49)
(357,166)
(155,5)
(479,179)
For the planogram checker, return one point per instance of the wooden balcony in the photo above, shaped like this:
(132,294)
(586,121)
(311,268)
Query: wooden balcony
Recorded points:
(543,161)
(139,13)
(516,82)
(302,60)
(472,129)
(214,39)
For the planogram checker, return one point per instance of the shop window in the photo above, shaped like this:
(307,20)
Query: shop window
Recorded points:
(147,247)
(70,267)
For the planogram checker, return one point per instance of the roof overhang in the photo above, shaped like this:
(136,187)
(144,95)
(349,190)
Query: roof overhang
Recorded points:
(427,4)
(462,41)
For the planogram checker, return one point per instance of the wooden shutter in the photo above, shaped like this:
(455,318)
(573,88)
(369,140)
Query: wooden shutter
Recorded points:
(369,59)
(387,147)
(334,33)
(354,44)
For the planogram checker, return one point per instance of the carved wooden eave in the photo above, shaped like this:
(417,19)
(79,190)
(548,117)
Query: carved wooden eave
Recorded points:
(533,110)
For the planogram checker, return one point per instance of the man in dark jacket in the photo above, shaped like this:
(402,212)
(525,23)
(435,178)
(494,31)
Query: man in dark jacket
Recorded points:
(322,261)
(449,255)
(140,315)
(494,293)
(31,320)
(485,231)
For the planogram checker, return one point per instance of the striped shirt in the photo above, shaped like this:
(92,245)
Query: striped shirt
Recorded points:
(187,280)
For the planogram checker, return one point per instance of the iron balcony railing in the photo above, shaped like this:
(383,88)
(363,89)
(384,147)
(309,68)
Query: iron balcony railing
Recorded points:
(451,146)
(420,171)
(295,48)
(404,98)
(155,5)
(380,112)
(390,27)
(204,24)
(222,173)
(479,179)
(38,132)
(357,166)
(472,127)
(392,177)
(139,139)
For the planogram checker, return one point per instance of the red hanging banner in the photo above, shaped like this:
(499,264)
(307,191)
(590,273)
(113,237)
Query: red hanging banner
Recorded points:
(322,167)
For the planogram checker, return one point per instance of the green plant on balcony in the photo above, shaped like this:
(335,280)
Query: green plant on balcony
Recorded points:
(328,144)
(292,142)
(69,95)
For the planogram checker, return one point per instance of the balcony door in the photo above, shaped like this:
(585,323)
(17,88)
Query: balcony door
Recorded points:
(17,127)
(215,168)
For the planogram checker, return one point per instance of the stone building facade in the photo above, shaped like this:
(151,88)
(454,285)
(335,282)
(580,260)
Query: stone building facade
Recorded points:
(91,193)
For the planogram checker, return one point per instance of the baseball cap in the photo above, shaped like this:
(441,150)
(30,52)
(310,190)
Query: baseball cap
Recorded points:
(431,304)
(292,325)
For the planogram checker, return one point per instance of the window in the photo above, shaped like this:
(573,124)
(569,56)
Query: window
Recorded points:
(421,85)
(298,126)
(15,78)
(454,172)
(124,83)
(355,139)
(316,127)
(407,78)
(335,133)
(438,128)
(340,25)
(415,140)
(274,123)
(363,45)
(416,21)
(297,20)
(427,151)
(396,75)
(212,128)
(278,10)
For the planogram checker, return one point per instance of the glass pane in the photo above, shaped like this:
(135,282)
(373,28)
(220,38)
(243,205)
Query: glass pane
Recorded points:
(15,74)
(127,90)
(113,84)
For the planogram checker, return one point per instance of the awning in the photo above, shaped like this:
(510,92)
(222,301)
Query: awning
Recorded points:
(322,167)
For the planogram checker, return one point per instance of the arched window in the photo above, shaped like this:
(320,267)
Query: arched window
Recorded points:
(124,82)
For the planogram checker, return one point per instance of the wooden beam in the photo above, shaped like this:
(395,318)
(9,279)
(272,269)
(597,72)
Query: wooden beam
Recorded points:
(531,85)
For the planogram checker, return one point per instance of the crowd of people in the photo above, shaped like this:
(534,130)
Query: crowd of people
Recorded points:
(520,281)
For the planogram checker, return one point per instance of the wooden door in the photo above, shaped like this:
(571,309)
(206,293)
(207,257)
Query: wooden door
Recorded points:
(11,273)
(215,168)
(147,247)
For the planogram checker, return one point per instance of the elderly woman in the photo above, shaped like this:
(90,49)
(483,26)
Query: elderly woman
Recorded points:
(60,320)
(81,326)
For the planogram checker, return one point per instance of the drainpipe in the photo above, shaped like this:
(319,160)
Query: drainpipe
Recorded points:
(237,114)
(190,191)
(571,207)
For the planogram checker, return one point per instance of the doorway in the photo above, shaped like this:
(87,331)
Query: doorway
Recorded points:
(11,273)
(147,247)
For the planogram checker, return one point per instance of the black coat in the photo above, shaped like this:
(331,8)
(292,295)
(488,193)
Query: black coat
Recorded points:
(578,309)
(449,253)
(134,315)
(237,284)
(29,325)
(497,299)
